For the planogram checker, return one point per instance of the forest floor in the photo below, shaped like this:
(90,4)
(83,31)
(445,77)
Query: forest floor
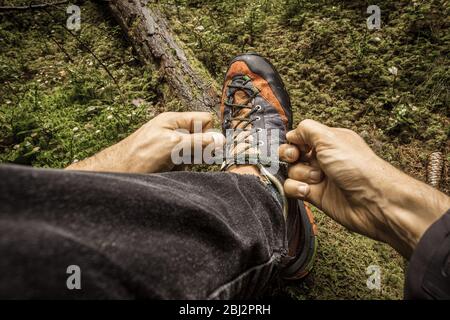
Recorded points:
(63,98)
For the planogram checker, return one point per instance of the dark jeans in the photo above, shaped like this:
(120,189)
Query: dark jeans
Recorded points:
(177,235)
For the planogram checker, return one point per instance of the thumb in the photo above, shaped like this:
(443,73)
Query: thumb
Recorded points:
(215,139)
(190,121)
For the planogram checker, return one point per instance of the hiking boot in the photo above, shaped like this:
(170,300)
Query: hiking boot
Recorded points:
(256,115)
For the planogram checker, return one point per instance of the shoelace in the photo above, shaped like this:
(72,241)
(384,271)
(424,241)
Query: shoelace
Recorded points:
(237,107)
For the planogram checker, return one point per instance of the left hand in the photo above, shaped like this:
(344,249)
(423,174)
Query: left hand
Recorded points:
(149,148)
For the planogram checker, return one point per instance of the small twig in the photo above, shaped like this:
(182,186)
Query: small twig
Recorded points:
(61,48)
(86,47)
(31,6)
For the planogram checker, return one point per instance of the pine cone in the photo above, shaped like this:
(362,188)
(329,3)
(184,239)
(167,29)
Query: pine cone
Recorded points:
(434,169)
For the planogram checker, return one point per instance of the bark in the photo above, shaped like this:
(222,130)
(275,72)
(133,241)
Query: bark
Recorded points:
(150,35)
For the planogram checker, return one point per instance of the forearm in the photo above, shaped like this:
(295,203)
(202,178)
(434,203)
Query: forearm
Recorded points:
(410,207)
(149,148)
(112,159)
(134,154)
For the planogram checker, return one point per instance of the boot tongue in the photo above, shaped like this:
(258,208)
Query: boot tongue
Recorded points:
(241,97)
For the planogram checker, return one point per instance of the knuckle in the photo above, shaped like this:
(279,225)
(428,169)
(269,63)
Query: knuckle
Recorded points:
(305,124)
(171,137)
(347,132)
(295,171)
(350,132)
(167,114)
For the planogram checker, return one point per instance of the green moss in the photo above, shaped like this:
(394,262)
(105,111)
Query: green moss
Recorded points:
(59,106)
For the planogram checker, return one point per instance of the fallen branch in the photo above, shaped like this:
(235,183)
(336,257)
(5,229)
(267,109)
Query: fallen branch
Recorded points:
(31,6)
(150,35)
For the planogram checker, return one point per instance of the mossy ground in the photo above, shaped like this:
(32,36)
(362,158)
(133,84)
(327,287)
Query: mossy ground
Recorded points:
(60,105)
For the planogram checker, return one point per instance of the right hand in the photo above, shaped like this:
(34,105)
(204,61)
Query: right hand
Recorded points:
(335,170)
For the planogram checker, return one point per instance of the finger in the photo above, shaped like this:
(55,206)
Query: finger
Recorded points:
(297,141)
(194,122)
(310,159)
(305,173)
(300,190)
(313,162)
(288,153)
(309,132)
(296,189)
(211,137)
(294,138)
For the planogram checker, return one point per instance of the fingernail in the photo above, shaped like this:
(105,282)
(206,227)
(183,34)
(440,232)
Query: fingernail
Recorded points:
(290,153)
(214,137)
(303,189)
(314,175)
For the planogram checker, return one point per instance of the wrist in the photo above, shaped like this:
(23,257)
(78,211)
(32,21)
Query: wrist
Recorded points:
(409,208)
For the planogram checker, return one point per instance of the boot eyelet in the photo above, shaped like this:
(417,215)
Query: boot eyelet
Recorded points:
(260,143)
(258,130)
(258,107)
(258,118)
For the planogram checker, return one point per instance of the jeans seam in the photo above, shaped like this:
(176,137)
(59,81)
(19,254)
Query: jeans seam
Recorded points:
(272,260)
(284,243)
(283,246)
